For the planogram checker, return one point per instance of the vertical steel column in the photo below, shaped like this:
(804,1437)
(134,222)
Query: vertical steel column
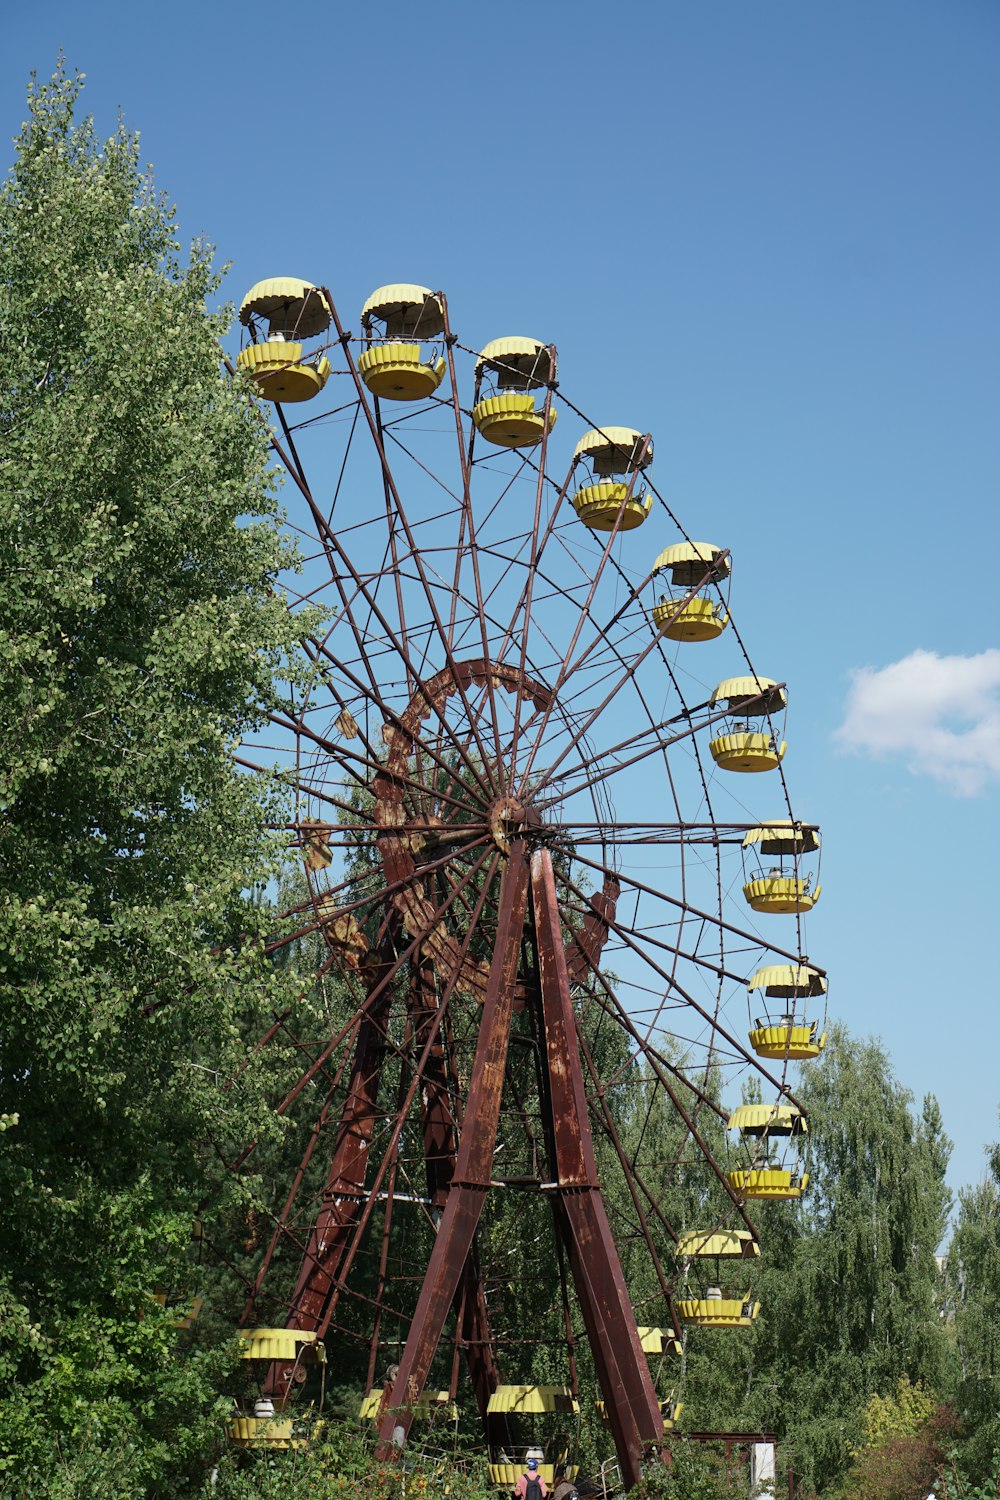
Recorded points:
(626,1384)
(440,1149)
(473,1168)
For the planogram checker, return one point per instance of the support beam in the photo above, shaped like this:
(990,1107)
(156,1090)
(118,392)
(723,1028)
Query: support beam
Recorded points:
(440,1152)
(473,1168)
(626,1384)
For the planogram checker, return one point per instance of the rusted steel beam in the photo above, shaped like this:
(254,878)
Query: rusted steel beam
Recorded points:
(440,1150)
(473,1168)
(627,1386)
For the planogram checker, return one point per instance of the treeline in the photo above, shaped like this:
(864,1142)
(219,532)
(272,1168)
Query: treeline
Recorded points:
(141,635)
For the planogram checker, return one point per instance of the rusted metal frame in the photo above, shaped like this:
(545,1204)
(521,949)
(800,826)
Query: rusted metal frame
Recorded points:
(439,1132)
(609,771)
(628,1165)
(345,1031)
(660,1067)
(685,832)
(293,1192)
(630,1398)
(401,513)
(565,668)
(389,430)
(466,470)
(707,795)
(331,541)
(348,1168)
(655,727)
(475,1334)
(373,763)
(386,889)
(442,1011)
(568,1333)
(753,939)
(673,949)
(523,606)
(595,715)
(391,525)
(655,1057)
(634,1180)
(324,416)
(290,780)
(383,1262)
(526,593)
(314,648)
(391,716)
(689,1002)
(468,519)
(629,672)
(475,1156)
(286,429)
(543,1083)
(341,753)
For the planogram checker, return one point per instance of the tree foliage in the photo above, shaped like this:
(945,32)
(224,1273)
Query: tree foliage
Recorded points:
(141,632)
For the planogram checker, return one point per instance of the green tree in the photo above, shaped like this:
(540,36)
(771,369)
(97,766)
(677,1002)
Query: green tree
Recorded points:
(974,1302)
(141,633)
(848,1282)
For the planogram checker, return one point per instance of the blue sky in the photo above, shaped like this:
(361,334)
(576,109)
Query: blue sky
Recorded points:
(767,233)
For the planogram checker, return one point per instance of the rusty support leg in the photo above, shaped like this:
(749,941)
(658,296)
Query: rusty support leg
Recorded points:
(440,1143)
(473,1167)
(626,1384)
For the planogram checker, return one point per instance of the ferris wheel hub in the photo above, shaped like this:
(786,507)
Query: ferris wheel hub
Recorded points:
(508,817)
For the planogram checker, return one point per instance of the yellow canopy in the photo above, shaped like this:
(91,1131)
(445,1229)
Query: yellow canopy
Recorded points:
(776,1119)
(614,449)
(786,981)
(309,313)
(413,308)
(783,836)
(764,689)
(533,1398)
(717,1242)
(515,356)
(687,556)
(278,1343)
(428,1401)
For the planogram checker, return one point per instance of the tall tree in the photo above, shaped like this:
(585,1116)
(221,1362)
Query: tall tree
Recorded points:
(848,1282)
(141,631)
(974,1302)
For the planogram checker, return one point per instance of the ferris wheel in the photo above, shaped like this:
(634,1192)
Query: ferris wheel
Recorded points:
(554,920)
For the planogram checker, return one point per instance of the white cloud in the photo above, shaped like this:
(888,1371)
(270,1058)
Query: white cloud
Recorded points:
(939,714)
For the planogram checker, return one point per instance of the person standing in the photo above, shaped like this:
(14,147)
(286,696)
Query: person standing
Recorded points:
(531,1485)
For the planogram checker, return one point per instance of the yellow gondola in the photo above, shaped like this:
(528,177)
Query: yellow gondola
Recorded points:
(782,890)
(719,1309)
(703,617)
(748,742)
(531,1421)
(398,320)
(293,310)
(615,455)
(513,369)
(717,1244)
(785,1036)
(761,1125)
(768,1182)
(269,1426)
